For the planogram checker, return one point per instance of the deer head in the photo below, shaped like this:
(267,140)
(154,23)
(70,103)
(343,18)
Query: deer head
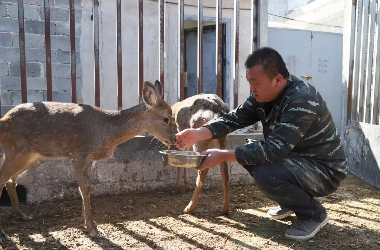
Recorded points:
(158,118)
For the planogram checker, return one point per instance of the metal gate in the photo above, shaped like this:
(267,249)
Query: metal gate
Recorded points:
(361,61)
(256,17)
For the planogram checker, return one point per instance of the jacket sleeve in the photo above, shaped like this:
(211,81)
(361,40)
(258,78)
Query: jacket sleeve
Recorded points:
(244,115)
(298,114)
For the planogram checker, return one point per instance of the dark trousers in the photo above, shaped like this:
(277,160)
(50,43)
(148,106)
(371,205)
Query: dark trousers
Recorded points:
(280,185)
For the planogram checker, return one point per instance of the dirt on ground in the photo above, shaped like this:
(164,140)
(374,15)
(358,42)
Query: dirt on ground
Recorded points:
(155,221)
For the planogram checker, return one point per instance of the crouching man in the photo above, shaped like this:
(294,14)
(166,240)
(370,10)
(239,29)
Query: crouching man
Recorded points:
(302,156)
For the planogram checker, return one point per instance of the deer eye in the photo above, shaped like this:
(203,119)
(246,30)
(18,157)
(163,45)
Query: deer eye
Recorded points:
(166,120)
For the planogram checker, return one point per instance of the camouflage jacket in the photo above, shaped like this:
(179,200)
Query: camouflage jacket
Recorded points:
(299,134)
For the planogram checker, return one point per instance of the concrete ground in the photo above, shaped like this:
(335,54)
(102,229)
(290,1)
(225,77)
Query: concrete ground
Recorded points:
(153,220)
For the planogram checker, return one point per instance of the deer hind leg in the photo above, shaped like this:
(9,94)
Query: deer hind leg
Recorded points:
(26,161)
(82,170)
(11,189)
(3,236)
(225,178)
(226,184)
(12,166)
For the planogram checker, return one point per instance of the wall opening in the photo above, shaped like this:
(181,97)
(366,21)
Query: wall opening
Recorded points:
(209,55)
(5,200)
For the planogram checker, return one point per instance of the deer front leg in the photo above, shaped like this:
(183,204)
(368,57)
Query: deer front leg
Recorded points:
(177,189)
(198,188)
(226,184)
(83,174)
(186,178)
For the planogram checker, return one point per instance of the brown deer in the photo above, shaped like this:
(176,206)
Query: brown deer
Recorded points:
(82,133)
(195,112)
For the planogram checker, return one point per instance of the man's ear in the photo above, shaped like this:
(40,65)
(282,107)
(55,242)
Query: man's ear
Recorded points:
(278,79)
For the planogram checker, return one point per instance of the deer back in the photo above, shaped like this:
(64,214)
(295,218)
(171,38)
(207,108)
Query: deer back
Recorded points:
(197,110)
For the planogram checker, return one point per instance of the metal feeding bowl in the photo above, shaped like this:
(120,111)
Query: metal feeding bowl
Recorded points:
(182,159)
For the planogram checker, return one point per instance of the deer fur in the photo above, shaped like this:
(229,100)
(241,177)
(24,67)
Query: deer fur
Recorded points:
(82,133)
(194,112)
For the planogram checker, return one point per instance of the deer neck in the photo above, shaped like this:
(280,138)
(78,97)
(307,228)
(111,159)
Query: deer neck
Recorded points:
(128,123)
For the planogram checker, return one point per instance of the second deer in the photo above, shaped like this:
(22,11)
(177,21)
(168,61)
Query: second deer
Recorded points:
(194,112)
(82,133)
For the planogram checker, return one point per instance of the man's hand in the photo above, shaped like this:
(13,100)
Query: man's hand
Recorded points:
(189,137)
(215,157)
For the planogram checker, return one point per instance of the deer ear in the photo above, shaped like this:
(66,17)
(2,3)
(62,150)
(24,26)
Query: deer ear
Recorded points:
(158,87)
(149,94)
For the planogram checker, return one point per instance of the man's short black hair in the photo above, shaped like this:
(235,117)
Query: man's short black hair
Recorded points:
(270,59)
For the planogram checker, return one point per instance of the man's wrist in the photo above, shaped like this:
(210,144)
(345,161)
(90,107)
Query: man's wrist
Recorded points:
(229,155)
(204,133)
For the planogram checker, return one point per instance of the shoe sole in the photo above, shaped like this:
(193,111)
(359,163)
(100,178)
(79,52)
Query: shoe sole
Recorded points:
(306,237)
(280,217)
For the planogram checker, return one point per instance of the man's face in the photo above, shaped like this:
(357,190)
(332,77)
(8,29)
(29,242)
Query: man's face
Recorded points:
(263,88)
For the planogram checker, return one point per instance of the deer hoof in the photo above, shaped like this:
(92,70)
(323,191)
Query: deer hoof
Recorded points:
(98,235)
(188,210)
(4,237)
(185,211)
(26,217)
(225,212)
(226,208)
(177,190)
(94,233)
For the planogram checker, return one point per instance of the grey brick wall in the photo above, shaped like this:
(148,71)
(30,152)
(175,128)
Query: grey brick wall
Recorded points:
(35,51)
(5,40)
(3,10)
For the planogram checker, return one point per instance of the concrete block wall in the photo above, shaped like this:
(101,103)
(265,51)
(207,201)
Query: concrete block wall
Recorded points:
(35,51)
(362,147)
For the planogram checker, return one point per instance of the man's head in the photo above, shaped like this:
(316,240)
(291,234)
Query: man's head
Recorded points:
(266,73)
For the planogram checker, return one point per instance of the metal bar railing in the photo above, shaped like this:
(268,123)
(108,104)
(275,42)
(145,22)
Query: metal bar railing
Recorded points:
(200,47)
(358,41)
(49,85)
(119,57)
(73,62)
(364,63)
(376,78)
(219,48)
(236,52)
(141,46)
(161,11)
(254,25)
(21,25)
(369,63)
(181,49)
(351,63)
(363,60)
(96,53)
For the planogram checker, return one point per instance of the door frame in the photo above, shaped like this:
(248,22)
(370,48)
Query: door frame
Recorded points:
(228,87)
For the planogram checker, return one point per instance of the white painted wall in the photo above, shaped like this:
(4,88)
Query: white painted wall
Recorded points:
(318,15)
(317,54)
(108,73)
(279,8)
